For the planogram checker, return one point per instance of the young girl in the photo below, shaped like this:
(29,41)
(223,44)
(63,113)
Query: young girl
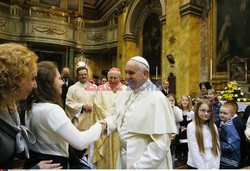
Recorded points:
(213,98)
(48,121)
(176,110)
(188,115)
(178,118)
(203,139)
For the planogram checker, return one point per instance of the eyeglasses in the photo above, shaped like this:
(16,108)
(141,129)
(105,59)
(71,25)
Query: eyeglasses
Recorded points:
(205,111)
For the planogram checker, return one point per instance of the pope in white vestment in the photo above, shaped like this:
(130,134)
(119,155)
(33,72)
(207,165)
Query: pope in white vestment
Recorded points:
(144,120)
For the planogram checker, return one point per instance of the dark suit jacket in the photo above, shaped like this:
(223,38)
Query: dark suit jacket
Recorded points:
(65,90)
(165,93)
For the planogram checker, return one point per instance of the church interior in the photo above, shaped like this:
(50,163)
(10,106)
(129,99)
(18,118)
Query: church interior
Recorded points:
(184,41)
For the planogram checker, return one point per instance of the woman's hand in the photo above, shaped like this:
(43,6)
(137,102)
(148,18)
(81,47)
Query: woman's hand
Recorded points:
(47,164)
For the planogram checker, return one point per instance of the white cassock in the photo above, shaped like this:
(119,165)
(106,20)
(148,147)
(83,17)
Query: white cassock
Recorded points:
(78,95)
(145,123)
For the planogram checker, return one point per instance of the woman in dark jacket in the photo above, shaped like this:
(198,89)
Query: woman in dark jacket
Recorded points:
(17,78)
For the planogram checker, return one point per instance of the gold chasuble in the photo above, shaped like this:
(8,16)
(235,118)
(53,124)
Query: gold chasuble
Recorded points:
(106,148)
(78,95)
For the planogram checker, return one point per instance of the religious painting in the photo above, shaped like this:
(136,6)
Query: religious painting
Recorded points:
(237,69)
(152,43)
(233,31)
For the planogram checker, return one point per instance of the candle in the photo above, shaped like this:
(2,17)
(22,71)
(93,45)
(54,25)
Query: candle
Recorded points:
(156,72)
(211,69)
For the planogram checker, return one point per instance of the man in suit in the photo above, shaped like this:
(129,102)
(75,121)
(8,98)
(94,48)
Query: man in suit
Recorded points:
(65,73)
(165,87)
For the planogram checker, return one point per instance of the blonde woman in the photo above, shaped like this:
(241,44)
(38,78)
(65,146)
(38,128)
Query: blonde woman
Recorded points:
(203,139)
(18,69)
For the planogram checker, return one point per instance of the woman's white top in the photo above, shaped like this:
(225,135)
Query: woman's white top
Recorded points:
(54,130)
(197,159)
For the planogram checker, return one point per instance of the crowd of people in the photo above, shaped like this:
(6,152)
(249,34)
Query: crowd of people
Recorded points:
(211,134)
(123,124)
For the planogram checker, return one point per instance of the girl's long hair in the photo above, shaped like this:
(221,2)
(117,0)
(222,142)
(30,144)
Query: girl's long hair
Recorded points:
(211,125)
(45,91)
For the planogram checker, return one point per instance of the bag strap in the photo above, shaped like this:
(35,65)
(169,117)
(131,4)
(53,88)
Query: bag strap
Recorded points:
(7,129)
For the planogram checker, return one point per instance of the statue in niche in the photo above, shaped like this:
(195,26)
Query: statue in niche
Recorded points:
(233,31)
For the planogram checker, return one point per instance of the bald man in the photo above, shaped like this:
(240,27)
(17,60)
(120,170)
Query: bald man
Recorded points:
(106,148)
(65,75)
(144,120)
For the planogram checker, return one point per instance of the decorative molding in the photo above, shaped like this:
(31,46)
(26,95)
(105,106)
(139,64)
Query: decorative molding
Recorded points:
(96,37)
(122,7)
(49,30)
(191,8)
(46,15)
(162,19)
(130,37)
(154,4)
(3,24)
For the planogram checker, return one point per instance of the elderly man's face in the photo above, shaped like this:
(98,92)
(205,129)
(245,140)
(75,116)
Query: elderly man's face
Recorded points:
(135,76)
(113,78)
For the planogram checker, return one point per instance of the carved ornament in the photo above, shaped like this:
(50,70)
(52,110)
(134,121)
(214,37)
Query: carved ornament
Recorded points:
(96,37)
(172,40)
(3,24)
(154,4)
(121,7)
(49,30)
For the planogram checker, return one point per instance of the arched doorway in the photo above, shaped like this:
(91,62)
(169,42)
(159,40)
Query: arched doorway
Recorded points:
(152,43)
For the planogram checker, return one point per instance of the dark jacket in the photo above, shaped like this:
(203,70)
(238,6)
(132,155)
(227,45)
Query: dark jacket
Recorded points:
(230,145)
(13,138)
(65,90)
(240,128)
(164,92)
(216,107)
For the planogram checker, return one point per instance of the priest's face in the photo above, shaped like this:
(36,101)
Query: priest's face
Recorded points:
(113,78)
(136,76)
(82,75)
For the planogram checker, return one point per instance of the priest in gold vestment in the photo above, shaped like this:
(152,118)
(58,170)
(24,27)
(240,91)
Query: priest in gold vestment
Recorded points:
(79,100)
(106,148)
(144,120)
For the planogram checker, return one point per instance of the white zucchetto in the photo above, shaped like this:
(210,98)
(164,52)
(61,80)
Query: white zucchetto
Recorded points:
(141,60)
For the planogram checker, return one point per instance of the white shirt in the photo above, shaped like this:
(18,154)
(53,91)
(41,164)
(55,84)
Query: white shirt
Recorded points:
(54,130)
(195,158)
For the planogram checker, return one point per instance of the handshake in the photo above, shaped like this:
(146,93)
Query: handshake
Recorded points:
(104,126)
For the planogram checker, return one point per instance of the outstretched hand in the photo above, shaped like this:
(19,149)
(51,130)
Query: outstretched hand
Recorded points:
(104,126)
(47,164)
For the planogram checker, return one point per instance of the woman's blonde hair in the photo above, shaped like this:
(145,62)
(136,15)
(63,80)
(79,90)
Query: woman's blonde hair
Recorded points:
(211,125)
(17,63)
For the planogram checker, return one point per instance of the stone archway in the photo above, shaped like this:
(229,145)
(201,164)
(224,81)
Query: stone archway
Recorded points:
(137,12)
